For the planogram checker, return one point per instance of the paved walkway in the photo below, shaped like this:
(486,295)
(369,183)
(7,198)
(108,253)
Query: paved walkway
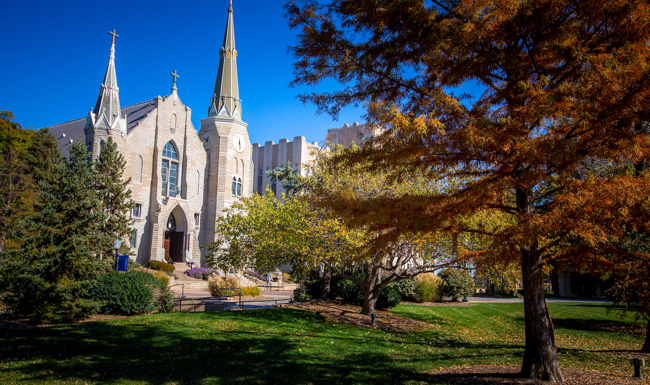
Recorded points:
(274,297)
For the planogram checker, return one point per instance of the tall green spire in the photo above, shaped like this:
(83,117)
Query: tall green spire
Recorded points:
(225,100)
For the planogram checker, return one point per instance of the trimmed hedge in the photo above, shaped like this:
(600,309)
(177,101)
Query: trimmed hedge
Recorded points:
(162,266)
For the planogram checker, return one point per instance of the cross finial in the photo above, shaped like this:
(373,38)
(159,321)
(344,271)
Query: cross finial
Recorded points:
(175,75)
(114,35)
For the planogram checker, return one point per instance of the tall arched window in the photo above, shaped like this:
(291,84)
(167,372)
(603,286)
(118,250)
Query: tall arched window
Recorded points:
(169,171)
(236,166)
(238,187)
(234,185)
(138,169)
(198,182)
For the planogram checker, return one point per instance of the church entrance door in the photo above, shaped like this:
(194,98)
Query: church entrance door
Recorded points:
(174,241)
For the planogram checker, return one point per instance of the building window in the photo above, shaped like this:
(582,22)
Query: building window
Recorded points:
(274,187)
(239,187)
(169,171)
(197,220)
(234,186)
(236,166)
(137,211)
(260,178)
(134,237)
(198,182)
(138,169)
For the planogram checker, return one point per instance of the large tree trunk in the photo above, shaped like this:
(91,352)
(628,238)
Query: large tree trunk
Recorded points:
(540,354)
(326,283)
(646,345)
(371,292)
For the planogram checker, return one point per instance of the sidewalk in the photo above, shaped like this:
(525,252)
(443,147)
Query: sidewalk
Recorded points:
(274,297)
(486,299)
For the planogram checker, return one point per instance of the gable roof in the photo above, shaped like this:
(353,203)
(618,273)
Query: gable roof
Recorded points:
(74,129)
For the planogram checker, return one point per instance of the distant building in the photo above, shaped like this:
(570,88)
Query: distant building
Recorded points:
(354,134)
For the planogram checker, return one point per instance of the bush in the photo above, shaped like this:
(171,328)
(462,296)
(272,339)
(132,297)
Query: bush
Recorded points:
(161,266)
(287,277)
(350,292)
(199,273)
(429,287)
(388,298)
(251,291)
(458,284)
(301,294)
(162,277)
(127,293)
(407,290)
(163,299)
(218,284)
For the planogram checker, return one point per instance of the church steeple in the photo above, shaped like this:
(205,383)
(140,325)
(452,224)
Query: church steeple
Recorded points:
(107,112)
(225,99)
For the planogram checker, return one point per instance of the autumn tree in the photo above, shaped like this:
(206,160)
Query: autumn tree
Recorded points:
(560,82)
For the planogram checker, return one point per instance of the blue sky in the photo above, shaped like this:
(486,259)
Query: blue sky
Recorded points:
(55,54)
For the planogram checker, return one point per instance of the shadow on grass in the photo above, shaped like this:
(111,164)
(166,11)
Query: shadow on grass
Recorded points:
(591,325)
(185,349)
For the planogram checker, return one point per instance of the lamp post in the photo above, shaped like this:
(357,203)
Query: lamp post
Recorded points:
(116,245)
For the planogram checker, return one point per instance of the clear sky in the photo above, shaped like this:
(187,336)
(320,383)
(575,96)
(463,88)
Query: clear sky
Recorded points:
(54,56)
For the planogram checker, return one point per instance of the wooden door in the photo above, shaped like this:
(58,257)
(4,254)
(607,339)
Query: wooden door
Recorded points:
(176,246)
(166,245)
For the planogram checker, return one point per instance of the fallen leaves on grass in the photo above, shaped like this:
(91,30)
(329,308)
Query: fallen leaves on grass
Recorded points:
(508,375)
(350,315)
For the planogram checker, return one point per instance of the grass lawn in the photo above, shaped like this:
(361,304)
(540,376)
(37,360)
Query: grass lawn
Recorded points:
(287,346)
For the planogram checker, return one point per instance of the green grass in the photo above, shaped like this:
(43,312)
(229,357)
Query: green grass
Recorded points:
(284,346)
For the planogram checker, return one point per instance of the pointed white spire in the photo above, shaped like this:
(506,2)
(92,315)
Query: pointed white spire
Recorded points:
(225,100)
(107,112)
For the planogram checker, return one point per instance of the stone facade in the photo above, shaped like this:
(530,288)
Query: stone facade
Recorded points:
(181,179)
(354,134)
(272,155)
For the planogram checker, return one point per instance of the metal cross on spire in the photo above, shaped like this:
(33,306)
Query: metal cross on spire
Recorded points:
(175,75)
(114,35)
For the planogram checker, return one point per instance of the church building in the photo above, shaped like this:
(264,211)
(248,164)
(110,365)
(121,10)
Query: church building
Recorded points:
(181,179)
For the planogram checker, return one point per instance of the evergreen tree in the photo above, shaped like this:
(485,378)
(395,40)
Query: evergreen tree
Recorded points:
(56,264)
(44,157)
(113,191)
(17,192)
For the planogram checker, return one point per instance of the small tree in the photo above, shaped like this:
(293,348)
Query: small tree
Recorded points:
(458,284)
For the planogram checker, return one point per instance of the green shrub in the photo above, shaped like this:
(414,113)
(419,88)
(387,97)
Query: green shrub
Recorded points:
(161,266)
(127,293)
(388,298)
(408,290)
(458,284)
(163,299)
(350,292)
(429,287)
(301,294)
(251,291)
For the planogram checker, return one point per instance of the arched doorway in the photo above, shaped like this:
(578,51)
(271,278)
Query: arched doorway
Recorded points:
(174,236)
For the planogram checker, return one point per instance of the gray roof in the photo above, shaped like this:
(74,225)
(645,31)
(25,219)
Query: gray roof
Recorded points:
(74,129)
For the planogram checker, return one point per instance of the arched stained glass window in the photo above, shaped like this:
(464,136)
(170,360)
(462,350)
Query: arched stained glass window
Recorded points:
(234,186)
(169,151)
(239,187)
(169,171)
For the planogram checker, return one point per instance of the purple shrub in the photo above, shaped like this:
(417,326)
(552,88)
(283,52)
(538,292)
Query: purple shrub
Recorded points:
(199,273)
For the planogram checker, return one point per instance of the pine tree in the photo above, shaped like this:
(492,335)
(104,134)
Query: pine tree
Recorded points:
(57,263)
(113,191)
(17,192)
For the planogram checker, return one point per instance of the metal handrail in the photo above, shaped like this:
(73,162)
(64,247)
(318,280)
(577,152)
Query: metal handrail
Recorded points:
(182,290)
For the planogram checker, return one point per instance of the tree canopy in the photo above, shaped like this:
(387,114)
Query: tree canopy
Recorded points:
(562,82)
